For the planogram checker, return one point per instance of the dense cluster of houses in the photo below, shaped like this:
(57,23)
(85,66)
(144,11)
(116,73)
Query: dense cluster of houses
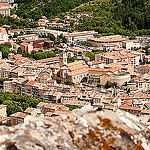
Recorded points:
(117,60)
(40,79)
(43,110)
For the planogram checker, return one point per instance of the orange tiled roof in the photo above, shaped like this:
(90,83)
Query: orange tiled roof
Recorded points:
(2,30)
(146,111)
(14,30)
(22,115)
(79,33)
(43,77)
(126,107)
(51,80)
(148,104)
(98,62)
(104,39)
(129,102)
(31,83)
(48,59)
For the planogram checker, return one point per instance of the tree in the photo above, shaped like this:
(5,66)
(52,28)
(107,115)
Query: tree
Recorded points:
(58,81)
(39,55)
(8,44)
(50,54)
(71,59)
(110,84)
(24,106)
(19,51)
(64,39)
(71,107)
(12,107)
(2,80)
(33,102)
(5,51)
(90,55)
(8,124)
(68,82)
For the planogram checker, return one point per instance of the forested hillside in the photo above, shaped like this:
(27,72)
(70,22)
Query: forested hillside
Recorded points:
(35,9)
(116,16)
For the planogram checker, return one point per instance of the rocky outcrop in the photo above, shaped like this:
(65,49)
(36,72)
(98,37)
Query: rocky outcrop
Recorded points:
(84,129)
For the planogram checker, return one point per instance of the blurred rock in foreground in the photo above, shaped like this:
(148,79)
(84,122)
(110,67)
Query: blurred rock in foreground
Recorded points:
(84,129)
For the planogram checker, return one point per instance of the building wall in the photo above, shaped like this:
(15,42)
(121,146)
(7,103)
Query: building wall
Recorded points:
(10,1)
(48,45)
(120,79)
(104,79)
(132,45)
(3,37)
(29,48)
(77,78)
(3,112)
(7,86)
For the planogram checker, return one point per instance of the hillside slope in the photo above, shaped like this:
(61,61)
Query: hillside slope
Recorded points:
(116,16)
(35,9)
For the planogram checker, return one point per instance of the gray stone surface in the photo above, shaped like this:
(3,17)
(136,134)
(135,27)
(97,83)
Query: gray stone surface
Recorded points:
(84,129)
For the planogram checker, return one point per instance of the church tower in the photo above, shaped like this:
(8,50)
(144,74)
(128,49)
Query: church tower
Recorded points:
(62,59)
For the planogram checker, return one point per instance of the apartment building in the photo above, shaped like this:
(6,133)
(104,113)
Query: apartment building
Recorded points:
(98,42)
(7,85)
(3,36)
(119,56)
(49,107)
(69,97)
(130,109)
(3,112)
(28,37)
(18,118)
(52,60)
(9,1)
(80,36)
(52,96)
(26,47)
(46,32)
(131,44)
(143,69)
(15,31)
(42,22)
(5,8)
(5,70)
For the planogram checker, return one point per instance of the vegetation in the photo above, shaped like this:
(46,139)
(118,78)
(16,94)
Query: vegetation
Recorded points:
(71,107)
(126,17)
(108,17)
(90,55)
(69,82)
(147,50)
(110,84)
(17,103)
(4,48)
(37,55)
(17,23)
(2,80)
(6,124)
(49,36)
(58,81)
(36,9)
(85,43)
(71,59)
